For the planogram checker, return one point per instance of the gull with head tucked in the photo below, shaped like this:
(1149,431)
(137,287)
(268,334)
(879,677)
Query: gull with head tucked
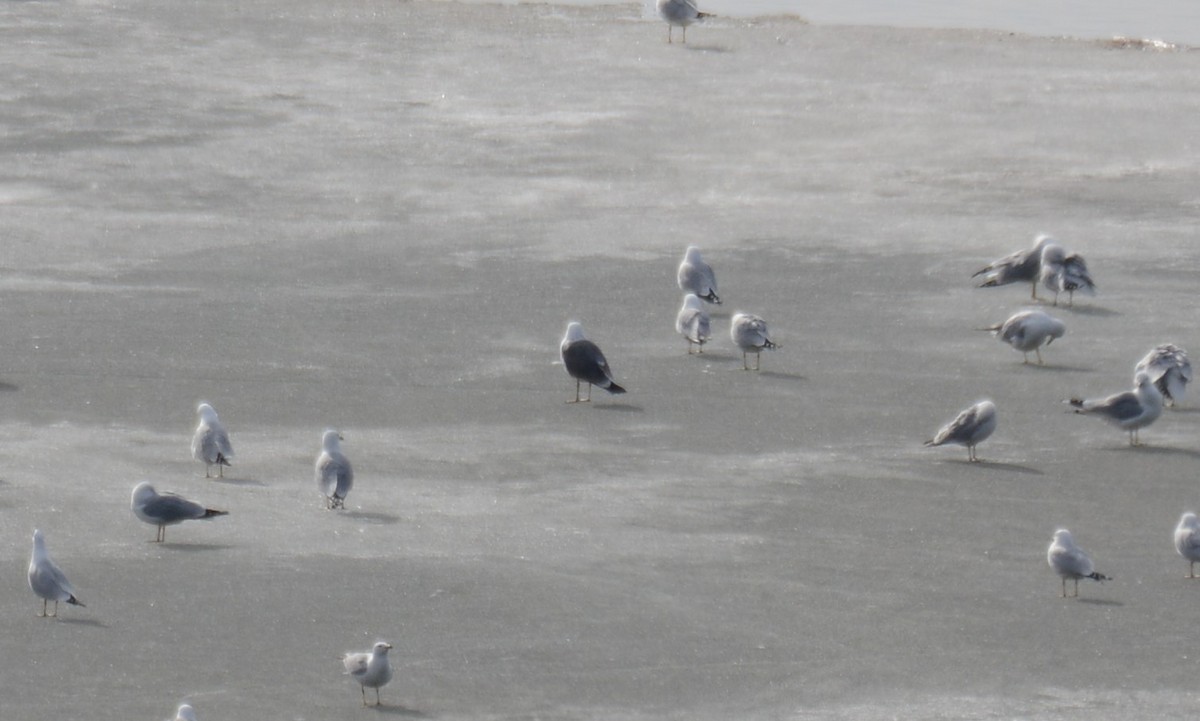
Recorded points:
(1063,272)
(749,333)
(693,323)
(1029,330)
(1187,541)
(969,428)
(185,713)
(1169,368)
(1070,561)
(210,443)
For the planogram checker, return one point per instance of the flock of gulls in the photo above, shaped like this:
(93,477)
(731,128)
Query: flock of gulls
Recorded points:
(1159,378)
(212,447)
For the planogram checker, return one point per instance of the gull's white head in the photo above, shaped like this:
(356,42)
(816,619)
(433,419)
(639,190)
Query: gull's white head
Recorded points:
(332,440)
(574,332)
(1063,537)
(1188,520)
(185,713)
(1053,254)
(142,492)
(381,648)
(692,302)
(38,539)
(692,254)
(206,412)
(1041,240)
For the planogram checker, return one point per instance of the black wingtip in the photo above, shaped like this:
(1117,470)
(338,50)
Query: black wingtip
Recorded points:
(614,388)
(1100,577)
(713,298)
(222,460)
(212,512)
(75,602)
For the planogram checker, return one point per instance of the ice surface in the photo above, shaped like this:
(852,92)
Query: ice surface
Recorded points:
(377,215)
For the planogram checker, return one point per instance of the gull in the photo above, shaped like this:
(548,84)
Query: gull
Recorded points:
(210,444)
(749,332)
(47,580)
(1071,561)
(185,713)
(1187,541)
(1061,272)
(1023,265)
(584,361)
(693,323)
(166,509)
(1029,330)
(335,476)
(1169,368)
(969,428)
(370,668)
(695,276)
(681,13)
(1130,410)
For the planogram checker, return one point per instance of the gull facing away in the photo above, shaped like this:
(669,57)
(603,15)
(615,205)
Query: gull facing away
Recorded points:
(586,364)
(1129,410)
(166,509)
(1023,265)
(693,323)
(335,476)
(1065,273)
(370,668)
(185,713)
(1029,330)
(1169,368)
(210,444)
(969,428)
(749,333)
(1187,541)
(1071,561)
(681,13)
(695,276)
(47,580)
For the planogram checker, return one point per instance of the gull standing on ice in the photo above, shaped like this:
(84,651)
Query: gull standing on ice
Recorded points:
(1130,410)
(1029,330)
(1023,265)
(1071,561)
(210,444)
(335,476)
(166,509)
(1187,541)
(681,13)
(693,323)
(586,364)
(1065,273)
(749,333)
(969,428)
(695,276)
(47,580)
(370,668)
(1169,368)
(185,713)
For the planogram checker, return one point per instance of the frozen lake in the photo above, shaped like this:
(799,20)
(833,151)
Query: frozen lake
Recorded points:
(379,216)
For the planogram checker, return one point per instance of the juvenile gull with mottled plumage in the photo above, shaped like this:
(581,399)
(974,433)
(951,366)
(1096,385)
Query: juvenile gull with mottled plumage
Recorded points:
(969,428)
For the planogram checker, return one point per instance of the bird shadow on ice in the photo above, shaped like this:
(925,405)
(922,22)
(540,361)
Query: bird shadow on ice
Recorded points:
(1061,368)
(1100,601)
(83,622)
(371,516)
(708,48)
(6,387)
(240,481)
(196,547)
(400,711)
(997,466)
(1095,310)
(1156,450)
(622,407)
